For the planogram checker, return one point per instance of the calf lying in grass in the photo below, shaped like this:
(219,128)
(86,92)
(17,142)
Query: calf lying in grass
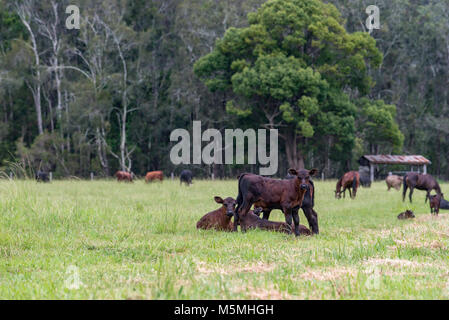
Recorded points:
(438,202)
(406,215)
(252,221)
(219,219)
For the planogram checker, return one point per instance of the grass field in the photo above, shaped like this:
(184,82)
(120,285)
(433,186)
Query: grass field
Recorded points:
(104,240)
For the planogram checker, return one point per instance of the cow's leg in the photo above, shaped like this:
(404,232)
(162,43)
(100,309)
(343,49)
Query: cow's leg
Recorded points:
(410,194)
(404,192)
(312,218)
(296,221)
(266,214)
(350,193)
(288,217)
(427,196)
(242,212)
(236,222)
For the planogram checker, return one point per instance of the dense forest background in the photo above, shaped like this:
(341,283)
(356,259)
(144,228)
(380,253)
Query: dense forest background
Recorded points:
(107,96)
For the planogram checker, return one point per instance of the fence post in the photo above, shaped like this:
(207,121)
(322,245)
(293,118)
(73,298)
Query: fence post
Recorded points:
(172,176)
(51,176)
(91,176)
(213,176)
(322,176)
(11,175)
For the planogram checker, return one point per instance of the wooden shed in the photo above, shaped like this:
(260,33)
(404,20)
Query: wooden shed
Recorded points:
(415,160)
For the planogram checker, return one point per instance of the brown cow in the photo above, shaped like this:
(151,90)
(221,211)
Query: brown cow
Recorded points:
(419,181)
(438,202)
(350,180)
(308,203)
(124,176)
(274,194)
(219,219)
(252,221)
(394,181)
(154,175)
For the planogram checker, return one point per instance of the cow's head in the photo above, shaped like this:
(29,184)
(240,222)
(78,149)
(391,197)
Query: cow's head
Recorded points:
(228,203)
(257,211)
(303,177)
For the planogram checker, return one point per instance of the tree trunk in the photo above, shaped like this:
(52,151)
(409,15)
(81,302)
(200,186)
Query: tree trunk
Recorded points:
(295,158)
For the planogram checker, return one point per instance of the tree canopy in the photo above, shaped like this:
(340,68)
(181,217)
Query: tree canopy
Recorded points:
(287,68)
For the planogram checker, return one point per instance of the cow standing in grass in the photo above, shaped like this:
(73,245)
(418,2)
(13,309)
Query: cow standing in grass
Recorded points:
(438,202)
(154,175)
(307,207)
(350,180)
(420,181)
(274,194)
(186,177)
(124,176)
(394,181)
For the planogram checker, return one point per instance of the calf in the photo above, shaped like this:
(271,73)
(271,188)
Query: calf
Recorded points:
(394,181)
(406,215)
(124,176)
(154,175)
(219,219)
(186,177)
(252,221)
(307,207)
(438,202)
(274,194)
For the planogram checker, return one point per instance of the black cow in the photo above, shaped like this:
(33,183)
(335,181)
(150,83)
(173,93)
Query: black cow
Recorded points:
(186,177)
(42,176)
(365,180)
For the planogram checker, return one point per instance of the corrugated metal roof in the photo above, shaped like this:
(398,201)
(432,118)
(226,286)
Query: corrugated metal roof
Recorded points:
(389,159)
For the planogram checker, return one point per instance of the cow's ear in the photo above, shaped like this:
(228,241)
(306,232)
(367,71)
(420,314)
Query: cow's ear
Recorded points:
(218,199)
(313,172)
(293,172)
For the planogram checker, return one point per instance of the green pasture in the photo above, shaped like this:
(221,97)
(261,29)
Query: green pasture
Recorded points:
(106,240)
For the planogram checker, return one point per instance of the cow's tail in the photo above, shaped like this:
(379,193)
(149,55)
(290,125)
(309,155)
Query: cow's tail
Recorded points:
(239,195)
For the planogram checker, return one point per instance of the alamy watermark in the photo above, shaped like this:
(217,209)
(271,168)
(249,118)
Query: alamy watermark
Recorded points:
(374,278)
(73,280)
(72,21)
(212,153)
(373,20)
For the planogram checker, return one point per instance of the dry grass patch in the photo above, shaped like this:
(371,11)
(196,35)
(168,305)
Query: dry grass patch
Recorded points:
(395,263)
(259,267)
(258,293)
(328,274)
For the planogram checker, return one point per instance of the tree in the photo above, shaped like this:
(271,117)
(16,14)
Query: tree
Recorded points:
(284,66)
(378,128)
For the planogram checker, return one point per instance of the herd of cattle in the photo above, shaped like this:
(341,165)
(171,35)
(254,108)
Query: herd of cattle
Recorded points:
(296,191)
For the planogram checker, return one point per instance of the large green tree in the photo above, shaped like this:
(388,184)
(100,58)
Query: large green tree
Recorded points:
(289,67)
